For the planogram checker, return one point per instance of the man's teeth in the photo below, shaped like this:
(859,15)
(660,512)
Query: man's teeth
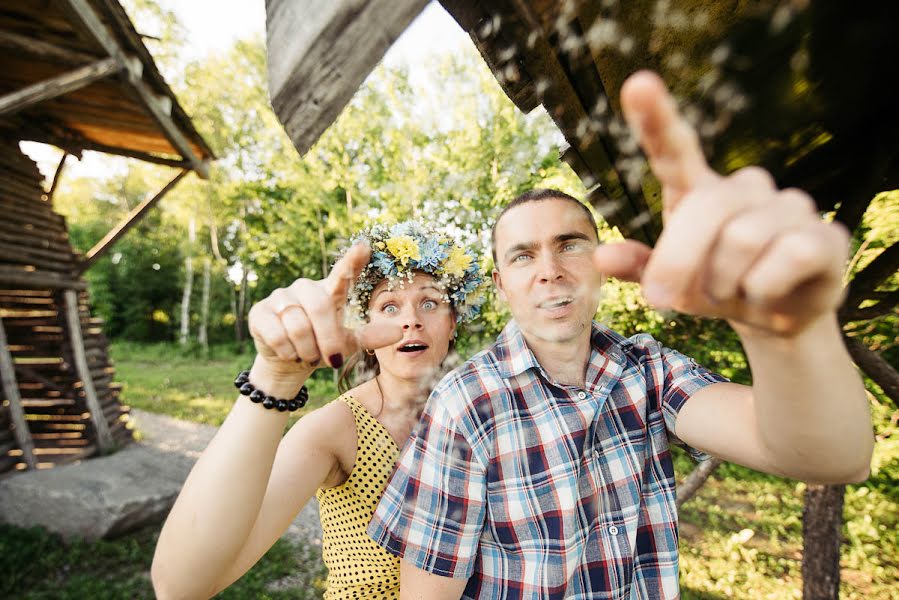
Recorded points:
(557,303)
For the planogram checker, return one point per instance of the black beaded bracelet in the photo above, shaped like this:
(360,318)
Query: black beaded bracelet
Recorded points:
(242,383)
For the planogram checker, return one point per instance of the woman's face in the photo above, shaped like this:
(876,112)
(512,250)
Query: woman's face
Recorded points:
(428,325)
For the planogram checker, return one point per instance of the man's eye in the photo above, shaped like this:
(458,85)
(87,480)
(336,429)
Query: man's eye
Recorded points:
(520,258)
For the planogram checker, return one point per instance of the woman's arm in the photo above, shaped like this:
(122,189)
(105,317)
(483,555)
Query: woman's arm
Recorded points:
(243,493)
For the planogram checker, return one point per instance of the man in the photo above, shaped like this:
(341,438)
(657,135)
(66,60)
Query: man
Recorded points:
(541,468)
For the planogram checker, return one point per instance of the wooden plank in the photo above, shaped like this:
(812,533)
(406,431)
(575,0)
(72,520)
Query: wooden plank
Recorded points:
(85,144)
(11,391)
(42,49)
(151,101)
(101,247)
(320,51)
(73,318)
(38,279)
(57,86)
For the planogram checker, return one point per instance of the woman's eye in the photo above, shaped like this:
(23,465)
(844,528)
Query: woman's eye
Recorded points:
(389,308)
(429,304)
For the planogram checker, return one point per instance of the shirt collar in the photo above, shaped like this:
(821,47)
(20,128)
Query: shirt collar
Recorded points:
(514,357)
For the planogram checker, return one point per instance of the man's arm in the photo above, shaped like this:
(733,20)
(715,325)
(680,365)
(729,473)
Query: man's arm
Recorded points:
(739,248)
(806,415)
(417,584)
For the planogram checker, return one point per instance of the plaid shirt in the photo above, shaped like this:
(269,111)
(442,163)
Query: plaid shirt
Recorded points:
(533,489)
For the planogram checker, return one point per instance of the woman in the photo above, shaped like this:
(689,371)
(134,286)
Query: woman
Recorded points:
(408,286)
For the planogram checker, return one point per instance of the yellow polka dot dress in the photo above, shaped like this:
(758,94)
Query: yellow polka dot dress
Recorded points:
(357,567)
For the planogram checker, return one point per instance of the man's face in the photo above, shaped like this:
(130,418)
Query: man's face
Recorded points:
(544,269)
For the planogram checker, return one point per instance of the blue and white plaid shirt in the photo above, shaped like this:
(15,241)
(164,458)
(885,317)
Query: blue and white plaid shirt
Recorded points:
(532,489)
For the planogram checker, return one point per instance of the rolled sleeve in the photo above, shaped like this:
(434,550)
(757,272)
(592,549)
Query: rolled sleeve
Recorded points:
(433,509)
(683,377)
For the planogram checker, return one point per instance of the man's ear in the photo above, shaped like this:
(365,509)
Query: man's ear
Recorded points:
(498,284)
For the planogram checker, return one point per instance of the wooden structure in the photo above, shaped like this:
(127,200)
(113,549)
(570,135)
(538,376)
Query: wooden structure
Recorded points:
(74,74)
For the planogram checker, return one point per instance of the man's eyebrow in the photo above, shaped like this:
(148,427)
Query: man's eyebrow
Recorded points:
(575,235)
(519,247)
(562,237)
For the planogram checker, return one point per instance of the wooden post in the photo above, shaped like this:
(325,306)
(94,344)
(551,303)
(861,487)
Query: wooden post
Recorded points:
(73,317)
(119,230)
(57,86)
(11,391)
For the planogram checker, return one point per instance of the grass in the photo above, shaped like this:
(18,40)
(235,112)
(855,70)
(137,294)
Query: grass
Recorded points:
(186,384)
(40,566)
(741,536)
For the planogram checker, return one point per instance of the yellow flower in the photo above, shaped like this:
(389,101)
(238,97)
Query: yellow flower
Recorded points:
(380,245)
(457,262)
(404,248)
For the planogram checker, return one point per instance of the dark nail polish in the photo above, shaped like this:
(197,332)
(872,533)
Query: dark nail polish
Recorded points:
(336,360)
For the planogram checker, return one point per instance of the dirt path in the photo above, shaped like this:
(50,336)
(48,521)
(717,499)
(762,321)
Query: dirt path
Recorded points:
(189,439)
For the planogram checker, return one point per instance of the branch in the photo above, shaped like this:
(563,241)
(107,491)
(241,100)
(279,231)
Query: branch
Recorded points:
(695,480)
(884,264)
(874,367)
(887,303)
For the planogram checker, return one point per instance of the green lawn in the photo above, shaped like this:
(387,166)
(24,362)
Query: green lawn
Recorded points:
(165,379)
(741,536)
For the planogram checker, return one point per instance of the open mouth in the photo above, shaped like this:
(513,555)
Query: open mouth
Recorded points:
(413,347)
(556,302)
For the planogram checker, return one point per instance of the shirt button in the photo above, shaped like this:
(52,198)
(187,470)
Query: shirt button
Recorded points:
(582,395)
(613,530)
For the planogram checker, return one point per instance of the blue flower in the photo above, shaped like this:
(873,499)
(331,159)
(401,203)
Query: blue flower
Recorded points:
(384,263)
(432,254)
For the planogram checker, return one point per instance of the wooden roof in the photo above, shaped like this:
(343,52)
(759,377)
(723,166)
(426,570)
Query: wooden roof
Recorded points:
(77,75)
(777,88)
(774,85)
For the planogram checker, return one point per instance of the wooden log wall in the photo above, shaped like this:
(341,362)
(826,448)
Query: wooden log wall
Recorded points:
(37,266)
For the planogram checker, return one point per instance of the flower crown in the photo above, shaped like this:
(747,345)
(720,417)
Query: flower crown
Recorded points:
(399,250)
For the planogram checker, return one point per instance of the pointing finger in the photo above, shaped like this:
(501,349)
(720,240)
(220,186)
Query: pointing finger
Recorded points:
(376,335)
(670,143)
(624,260)
(346,270)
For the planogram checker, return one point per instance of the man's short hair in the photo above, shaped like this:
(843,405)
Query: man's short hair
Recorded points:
(538,195)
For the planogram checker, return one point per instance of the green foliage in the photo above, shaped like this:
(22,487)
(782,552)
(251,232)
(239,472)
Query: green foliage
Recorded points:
(41,566)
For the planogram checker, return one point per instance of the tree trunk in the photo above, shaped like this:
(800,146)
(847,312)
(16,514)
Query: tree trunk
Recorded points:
(822,522)
(241,309)
(202,334)
(321,246)
(188,281)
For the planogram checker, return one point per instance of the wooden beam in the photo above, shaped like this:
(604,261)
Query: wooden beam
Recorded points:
(43,50)
(39,279)
(101,247)
(320,52)
(11,391)
(57,176)
(160,110)
(73,144)
(57,86)
(73,318)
